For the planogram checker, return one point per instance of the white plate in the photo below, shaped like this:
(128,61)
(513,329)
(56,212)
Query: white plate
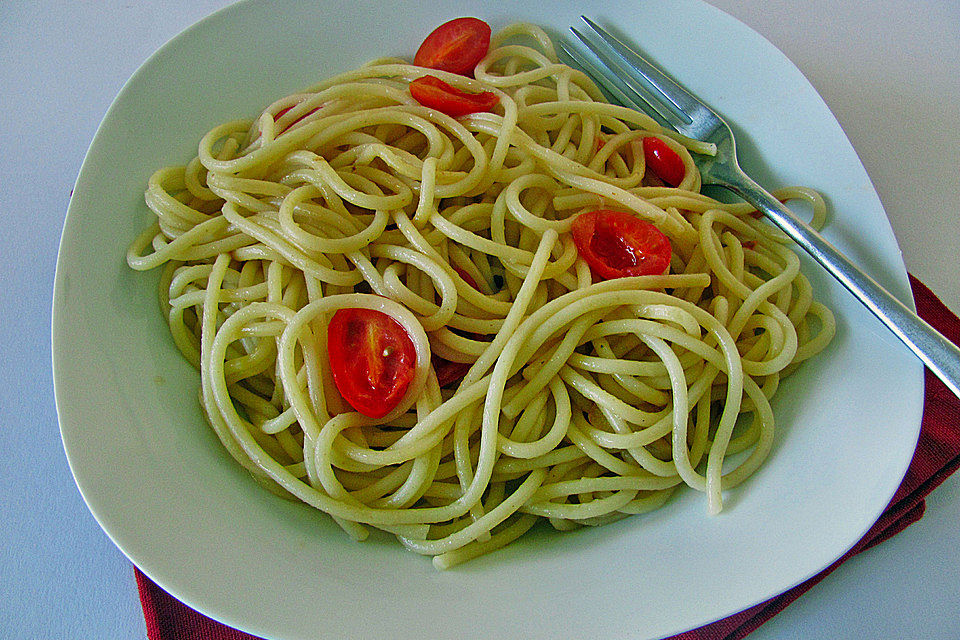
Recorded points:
(156,479)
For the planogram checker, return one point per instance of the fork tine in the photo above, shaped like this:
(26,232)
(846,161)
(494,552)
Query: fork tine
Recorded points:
(638,69)
(624,93)
(629,93)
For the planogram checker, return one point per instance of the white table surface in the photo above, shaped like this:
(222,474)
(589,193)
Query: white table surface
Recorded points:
(889,70)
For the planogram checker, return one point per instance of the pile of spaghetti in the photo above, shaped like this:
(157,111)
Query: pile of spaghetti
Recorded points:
(447,302)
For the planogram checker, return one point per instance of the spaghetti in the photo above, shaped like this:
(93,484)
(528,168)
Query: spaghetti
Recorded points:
(581,401)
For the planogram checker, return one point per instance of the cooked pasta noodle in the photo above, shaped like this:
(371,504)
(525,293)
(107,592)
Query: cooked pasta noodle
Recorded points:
(584,401)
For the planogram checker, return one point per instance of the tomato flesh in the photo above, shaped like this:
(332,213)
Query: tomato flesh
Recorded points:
(455,46)
(663,161)
(435,93)
(449,372)
(616,244)
(467,278)
(372,359)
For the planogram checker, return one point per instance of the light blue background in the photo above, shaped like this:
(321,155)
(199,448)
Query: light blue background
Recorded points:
(889,71)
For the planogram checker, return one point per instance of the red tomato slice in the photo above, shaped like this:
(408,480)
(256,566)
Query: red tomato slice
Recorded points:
(372,359)
(663,161)
(449,372)
(617,245)
(435,93)
(467,278)
(455,46)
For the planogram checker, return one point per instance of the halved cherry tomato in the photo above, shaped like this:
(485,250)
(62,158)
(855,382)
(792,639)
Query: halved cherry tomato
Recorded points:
(455,46)
(616,244)
(372,359)
(663,161)
(435,93)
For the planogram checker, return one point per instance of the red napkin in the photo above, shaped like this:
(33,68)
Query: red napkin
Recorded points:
(936,457)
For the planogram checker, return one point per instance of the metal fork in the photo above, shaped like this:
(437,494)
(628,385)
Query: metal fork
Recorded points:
(639,84)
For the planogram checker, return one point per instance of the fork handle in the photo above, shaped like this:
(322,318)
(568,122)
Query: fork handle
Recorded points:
(940,355)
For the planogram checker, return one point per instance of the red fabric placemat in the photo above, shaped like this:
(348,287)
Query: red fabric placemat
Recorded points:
(936,457)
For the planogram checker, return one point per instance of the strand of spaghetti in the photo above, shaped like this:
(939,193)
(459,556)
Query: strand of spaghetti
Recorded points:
(211,370)
(553,437)
(471,481)
(474,549)
(484,523)
(289,252)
